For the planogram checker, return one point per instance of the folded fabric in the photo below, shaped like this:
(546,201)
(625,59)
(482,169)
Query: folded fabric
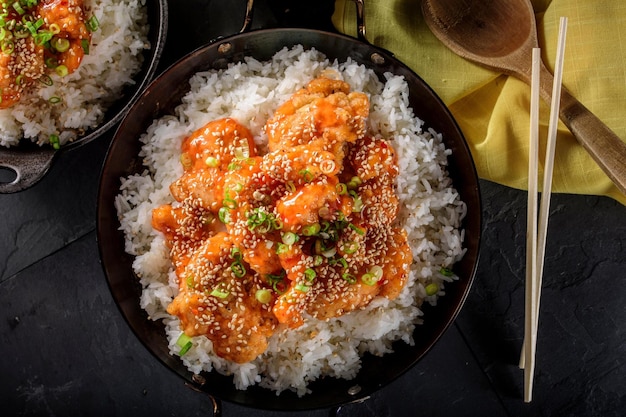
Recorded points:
(493,109)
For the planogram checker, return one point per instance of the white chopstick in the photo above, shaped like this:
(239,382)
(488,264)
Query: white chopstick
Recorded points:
(537,247)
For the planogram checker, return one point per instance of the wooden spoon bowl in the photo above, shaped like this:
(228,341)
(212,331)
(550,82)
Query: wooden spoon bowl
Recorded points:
(500,35)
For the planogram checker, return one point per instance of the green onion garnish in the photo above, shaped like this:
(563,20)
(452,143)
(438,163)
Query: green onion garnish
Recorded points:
(93,24)
(341,188)
(302,287)
(446,272)
(219,293)
(212,161)
(54,141)
(189,281)
(431,289)
(84,43)
(224,215)
(348,277)
(354,182)
(350,247)
(60,44)
(185,343)
(307,175)
(356,229)
(309,274)
(311,230)
(263,296)
(290,238)
(54,100)
(18,8)
(238,269)
(46,80)
(61,70)
(7,46)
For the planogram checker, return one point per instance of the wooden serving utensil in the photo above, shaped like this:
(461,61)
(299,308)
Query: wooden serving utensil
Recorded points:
(500,35)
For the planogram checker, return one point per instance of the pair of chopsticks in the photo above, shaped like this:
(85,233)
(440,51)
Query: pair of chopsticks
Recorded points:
(537,228)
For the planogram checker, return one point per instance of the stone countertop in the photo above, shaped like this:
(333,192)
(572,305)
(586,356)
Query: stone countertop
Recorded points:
(66,350)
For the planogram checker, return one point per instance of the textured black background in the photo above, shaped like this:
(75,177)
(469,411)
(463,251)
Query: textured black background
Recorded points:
(65,349)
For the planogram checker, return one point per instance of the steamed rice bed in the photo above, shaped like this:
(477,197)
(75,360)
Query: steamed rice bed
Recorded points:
(430,211)
(115,56)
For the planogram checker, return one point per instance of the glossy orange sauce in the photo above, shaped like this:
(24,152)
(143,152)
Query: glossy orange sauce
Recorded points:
(29,53)
(305,230)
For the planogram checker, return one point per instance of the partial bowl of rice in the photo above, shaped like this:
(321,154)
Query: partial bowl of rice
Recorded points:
(211,185)
(80,81)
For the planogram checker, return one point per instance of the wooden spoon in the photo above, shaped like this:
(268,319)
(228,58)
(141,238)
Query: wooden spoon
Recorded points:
(500,35)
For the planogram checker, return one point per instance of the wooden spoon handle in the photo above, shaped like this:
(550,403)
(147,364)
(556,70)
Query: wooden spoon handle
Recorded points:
(604,146)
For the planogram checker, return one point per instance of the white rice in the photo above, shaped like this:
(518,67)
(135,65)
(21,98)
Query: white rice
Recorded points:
(431,212)
(115,56)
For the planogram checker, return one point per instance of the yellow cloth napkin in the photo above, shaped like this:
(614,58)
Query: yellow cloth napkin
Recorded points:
(493,109)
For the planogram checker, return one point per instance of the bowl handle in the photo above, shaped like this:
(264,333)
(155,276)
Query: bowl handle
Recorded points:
(29,166)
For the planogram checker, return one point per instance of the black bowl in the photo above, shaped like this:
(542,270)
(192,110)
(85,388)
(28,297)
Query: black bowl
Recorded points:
(30,162)
(163,95)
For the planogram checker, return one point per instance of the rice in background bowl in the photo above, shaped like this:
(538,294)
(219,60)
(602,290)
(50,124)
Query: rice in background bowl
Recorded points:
(115,56)
(431,212)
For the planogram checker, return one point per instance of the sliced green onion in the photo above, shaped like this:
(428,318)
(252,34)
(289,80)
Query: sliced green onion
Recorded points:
(290,186)
(84,43)
(311,230)
(42,37)
(233,166)
(46,80)
(290,238)
(263,296)
(224,215)
(281,248)
(7,46)
(350,247)
(54,28)
(189,281)
(51,62)
(185,343)
(238,269)
(186,160)
(377,271)
(54,141)
(60,44)
(21,32)
(318,260)
(18,8)
(219,293)
(431,289)
(19,79)
(357,229)
(302,287)
(341,188)
(61,70)
(369,279)
(348,277)
(309,274)
(3,33)
(446,272)
(54,100)
(358,203)
(212,161)
(307,175)
(354,182)
(93,24)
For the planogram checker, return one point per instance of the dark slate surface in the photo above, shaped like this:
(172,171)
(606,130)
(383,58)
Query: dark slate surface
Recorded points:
(66,350)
